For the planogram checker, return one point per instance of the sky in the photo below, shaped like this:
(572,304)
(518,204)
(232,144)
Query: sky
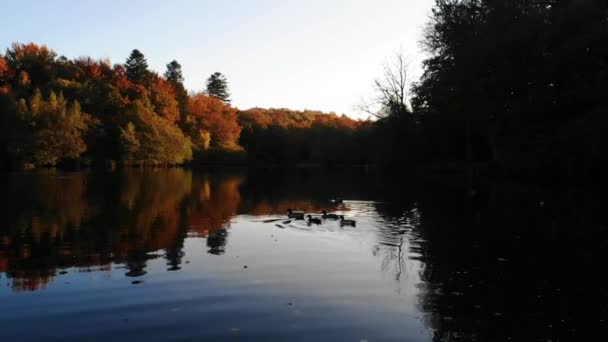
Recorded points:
(298,54)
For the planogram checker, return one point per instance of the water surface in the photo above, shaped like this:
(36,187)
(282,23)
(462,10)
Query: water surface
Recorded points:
(174,253)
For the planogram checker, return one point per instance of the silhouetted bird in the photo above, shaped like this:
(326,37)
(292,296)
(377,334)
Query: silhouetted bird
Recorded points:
(347,222)
(298,215)
(314,220)
(330,216)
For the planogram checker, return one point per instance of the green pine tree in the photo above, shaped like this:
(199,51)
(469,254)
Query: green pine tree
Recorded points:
(137,67)
(175,76)
(217,86)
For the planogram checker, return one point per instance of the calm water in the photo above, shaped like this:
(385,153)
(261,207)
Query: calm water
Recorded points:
(136,254)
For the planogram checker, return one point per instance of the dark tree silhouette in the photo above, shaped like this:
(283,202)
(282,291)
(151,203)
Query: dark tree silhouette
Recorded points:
(137,67)
(391,90)
(174,75)
(217,86)
(174,72)
(505,82)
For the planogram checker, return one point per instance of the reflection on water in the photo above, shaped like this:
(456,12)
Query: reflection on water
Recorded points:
(145,252)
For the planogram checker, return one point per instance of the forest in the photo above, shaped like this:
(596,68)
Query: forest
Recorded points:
(59,111)
(516,86)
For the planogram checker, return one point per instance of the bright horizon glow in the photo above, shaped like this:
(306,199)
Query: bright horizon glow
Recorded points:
(318,55)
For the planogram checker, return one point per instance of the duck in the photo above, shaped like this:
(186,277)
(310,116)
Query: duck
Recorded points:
(314,220)
(298,215)
(347,222)
(329,216)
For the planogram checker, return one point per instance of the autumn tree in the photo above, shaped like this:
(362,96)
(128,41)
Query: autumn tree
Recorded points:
(163,98)
(151,139)
(33,65)
(130,142)
(214,122)
(48,130)
(3,70)
(4,76)
(217,86)
(137,67)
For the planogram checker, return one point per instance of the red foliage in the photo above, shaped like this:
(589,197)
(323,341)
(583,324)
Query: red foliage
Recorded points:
(93,69)
(119,78)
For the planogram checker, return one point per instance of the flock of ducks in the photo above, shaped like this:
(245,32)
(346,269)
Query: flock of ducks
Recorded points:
(300,215)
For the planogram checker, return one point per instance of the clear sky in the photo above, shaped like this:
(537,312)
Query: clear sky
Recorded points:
(297,54)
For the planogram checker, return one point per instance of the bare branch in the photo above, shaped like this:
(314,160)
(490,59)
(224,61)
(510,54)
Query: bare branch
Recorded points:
(391,89)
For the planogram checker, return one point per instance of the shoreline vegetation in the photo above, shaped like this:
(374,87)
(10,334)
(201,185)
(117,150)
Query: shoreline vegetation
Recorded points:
(505,90)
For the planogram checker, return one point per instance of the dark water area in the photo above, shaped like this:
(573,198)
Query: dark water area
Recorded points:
(173,253)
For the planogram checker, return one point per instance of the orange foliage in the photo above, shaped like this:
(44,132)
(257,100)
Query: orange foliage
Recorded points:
(218,119)
(20,50)
(119,78)
(164,99)
(260,117)
(3,69)
(24,78)
(256,117)
(93,69)
(218,203)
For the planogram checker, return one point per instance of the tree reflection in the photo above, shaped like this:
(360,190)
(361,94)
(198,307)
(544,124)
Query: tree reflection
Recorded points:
(89,221)
(500,263)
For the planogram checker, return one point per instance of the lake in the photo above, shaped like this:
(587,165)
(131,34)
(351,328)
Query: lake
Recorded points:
(157,253)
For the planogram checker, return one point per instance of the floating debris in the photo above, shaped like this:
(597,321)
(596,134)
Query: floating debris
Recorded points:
(137,282)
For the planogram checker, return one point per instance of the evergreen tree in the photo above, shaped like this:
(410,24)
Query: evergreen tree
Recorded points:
(137,67)
(217,86)
(174,72)
(174,76)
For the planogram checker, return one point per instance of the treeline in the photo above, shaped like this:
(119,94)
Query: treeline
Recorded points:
(287,137)
(55,110)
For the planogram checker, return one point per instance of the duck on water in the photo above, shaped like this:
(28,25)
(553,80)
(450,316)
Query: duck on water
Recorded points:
(314,220)
(298,215)
(347,222)
(330,216)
